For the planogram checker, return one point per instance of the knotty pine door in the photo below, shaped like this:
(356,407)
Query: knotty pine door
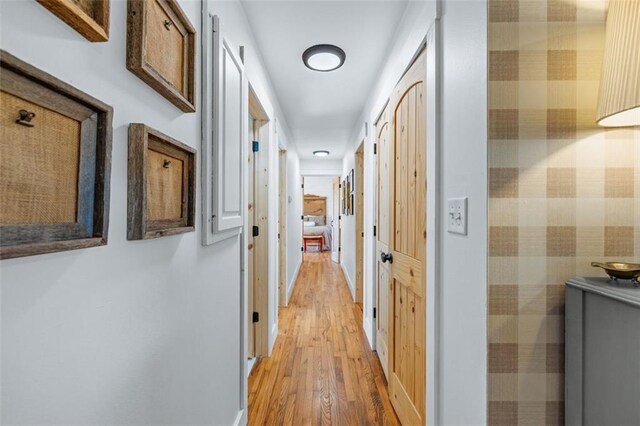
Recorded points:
(407,188)
(383,282)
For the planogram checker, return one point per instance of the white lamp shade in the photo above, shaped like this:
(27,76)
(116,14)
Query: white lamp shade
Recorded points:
(619,100)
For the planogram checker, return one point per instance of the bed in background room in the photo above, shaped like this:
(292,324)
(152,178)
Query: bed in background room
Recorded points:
(315,220)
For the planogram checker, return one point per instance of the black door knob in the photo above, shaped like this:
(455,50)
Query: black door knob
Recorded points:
(386,257)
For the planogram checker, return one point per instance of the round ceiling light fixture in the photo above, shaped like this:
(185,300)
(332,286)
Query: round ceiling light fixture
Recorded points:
(321,153)
(323,57)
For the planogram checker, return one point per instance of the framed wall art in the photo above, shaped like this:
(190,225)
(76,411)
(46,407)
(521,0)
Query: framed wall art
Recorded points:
(161,49)
(352,182)
(55,163)
(88,17)
(343,201)
(161,185)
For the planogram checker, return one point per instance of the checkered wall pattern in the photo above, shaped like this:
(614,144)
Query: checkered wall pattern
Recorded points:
(563,192)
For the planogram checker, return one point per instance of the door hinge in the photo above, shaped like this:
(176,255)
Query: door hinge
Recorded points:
(374,230)
(302,217)
(339,217)
(339,185)
(374,313)
(255,147)
(302,186)
(362,234)
(256,317)
(375,148)
(256,231)
(339,248)
(301,248)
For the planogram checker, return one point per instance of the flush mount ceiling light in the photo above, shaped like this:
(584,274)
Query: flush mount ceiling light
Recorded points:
(320,153)
(323,57)
(619,100)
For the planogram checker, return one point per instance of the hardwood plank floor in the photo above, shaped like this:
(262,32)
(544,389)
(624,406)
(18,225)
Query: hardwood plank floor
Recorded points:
(322,370)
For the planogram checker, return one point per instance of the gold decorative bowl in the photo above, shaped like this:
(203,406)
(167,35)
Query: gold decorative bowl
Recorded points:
(620,270)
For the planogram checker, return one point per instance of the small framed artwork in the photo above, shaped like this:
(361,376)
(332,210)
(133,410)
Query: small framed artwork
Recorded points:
(161,49)
(343,198)
(351,204)
(352,183)
(89,18)
(347,197)
(161,185)
(55,163)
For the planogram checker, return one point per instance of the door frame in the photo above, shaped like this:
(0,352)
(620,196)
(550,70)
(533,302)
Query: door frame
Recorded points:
(282,227)
(433,102)
(359,219)
(259,288)
(339,218)
(433,64)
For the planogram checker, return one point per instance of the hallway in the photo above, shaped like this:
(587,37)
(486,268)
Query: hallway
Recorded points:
(322,370)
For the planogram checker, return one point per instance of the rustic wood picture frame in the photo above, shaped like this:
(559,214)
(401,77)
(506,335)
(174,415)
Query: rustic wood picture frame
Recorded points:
(29,185)
(352,185)
(89,18)
(161,49)
(167,152)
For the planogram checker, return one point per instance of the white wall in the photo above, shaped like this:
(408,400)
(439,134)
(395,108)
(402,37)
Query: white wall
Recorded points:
(463,163)
(129,333)
(321,167)
(348,233)
(461,396)
(294,229)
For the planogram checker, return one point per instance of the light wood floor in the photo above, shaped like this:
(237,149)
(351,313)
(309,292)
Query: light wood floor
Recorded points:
(322,370)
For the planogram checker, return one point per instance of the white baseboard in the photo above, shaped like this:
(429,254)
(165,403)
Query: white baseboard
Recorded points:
(368,331)
(241,418)
(250,363)
(273,337)
(293,282)
(352,289)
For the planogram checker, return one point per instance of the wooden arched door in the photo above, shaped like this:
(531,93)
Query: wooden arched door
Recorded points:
(406,257)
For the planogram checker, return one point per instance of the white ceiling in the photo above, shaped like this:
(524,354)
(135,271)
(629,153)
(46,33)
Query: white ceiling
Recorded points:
(321,109)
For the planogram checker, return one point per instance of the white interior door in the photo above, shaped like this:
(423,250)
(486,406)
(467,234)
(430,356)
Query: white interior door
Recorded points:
(335,222)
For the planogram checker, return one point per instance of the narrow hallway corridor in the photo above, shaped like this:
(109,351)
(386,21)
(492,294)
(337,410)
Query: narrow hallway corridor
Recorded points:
(322,370)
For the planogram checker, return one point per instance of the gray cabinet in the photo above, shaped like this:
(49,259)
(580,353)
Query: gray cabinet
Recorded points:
(602,353)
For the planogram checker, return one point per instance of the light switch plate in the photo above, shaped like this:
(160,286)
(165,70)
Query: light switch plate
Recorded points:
(457,216)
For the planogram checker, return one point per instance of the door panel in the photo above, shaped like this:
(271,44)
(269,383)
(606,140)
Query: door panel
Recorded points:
(382,240)
(407,195)
(251,351)
(230,98)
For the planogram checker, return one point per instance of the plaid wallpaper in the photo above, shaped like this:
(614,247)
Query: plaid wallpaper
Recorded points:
(563,192)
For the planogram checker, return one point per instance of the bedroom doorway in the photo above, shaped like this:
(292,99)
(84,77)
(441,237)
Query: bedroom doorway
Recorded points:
(320,215)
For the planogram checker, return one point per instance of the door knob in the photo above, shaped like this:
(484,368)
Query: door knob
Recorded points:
(386,257)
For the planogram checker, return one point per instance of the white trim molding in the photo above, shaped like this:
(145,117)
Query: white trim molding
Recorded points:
(292,283)
(433,221)
(352,289)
